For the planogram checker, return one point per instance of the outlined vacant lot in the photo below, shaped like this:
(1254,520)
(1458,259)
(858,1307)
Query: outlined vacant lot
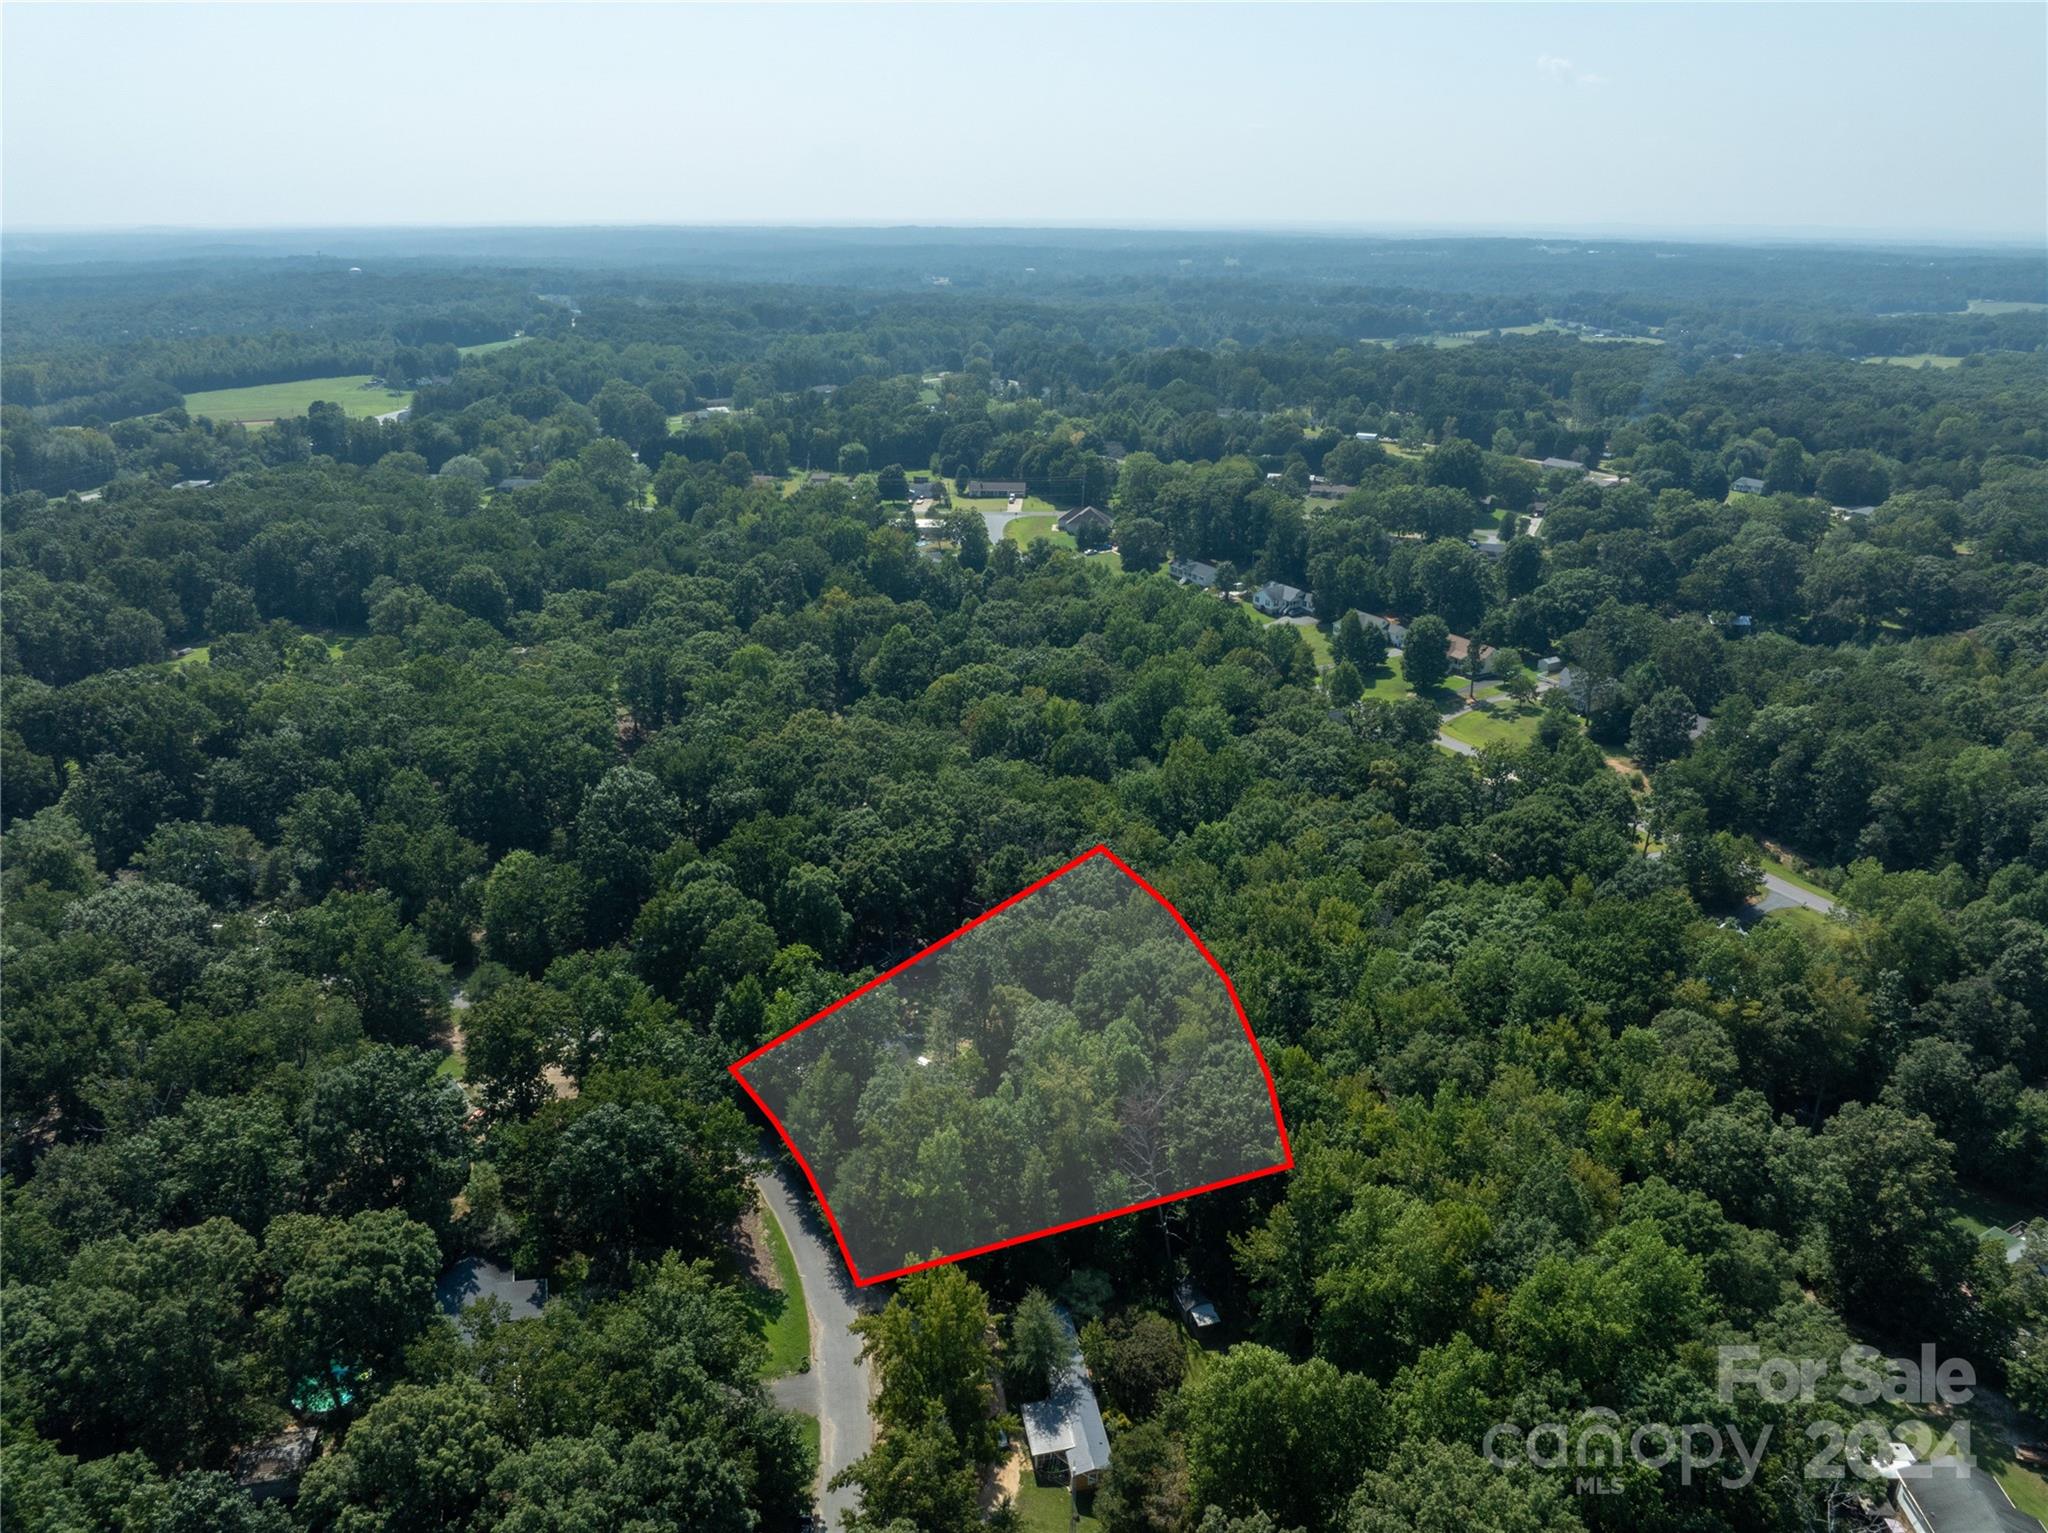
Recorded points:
(1073,1055)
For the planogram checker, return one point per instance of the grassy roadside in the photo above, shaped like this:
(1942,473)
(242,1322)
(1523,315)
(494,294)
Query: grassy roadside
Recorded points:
(784,1316)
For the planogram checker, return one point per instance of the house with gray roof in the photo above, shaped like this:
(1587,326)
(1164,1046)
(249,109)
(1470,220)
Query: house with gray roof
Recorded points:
(1081,517)
(479,1277)
(1064,1431)
(1277,600)
(1747,484)
(1193,572)
(1395,630)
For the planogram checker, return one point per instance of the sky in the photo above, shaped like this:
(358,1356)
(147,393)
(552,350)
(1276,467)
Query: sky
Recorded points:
(1841,120)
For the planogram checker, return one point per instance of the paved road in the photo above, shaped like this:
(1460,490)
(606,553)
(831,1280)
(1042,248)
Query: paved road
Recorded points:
(837,1388)
(1778,894)
(997,521)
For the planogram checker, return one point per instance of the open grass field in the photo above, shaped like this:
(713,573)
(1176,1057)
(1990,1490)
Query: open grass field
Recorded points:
(1918,359)
(2006,306)
(1487,725)
(278,401)
(481,347)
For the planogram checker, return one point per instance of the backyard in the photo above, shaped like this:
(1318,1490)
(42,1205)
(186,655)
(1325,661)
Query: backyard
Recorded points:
(1048,1509)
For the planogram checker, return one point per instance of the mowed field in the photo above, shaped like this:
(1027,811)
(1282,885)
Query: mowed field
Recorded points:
(1919,359)
(277,401)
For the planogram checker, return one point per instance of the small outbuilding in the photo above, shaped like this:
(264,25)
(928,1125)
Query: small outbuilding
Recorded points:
(1195,1309)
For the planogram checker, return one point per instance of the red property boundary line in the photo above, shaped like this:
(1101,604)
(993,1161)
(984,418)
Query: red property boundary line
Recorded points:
(1285,1163)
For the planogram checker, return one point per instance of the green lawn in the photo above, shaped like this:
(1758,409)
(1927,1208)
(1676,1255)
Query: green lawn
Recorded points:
(1986,1215)
(1038,525)
(2005,306)
(1919,359)
(808,1426)
(1800,915)
(783,1318)
(276,401)
(1047,1508)
(482,347)
(451,1065)
(1485,726)
(1318,642)
(1032,505)
(1389,684)
(201,655)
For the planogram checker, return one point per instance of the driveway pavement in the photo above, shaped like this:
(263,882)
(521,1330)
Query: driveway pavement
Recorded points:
(837,1388)
(997,521)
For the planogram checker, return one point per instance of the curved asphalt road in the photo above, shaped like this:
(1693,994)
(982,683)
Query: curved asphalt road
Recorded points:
(837,1388)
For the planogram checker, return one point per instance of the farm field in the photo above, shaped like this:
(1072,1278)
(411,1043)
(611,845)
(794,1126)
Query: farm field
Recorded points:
(481,348)
(1918,359)
(267,402)
(2005,306)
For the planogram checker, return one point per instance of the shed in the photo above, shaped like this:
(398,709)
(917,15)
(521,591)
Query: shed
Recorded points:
(1195,1308)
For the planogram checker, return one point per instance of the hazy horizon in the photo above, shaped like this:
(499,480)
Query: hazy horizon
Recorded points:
(1891,124)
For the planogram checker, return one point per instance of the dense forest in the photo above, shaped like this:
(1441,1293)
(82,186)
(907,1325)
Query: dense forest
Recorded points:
(405,829)
(1078,1034)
